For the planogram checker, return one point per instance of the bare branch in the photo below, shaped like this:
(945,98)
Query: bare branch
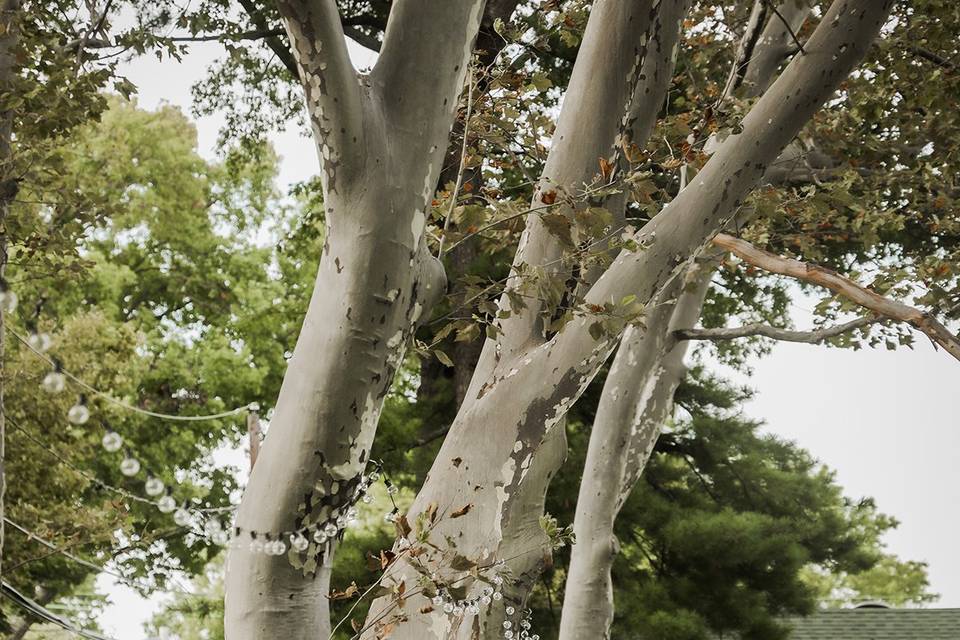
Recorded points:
(844,287)
(815,336)
(751,34)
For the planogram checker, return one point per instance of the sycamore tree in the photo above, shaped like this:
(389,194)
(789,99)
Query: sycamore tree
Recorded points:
(381,138)
(696,147)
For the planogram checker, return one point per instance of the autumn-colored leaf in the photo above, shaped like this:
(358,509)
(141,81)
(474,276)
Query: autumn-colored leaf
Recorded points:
(606,168)
(350,592)
(386,557)
(462,511)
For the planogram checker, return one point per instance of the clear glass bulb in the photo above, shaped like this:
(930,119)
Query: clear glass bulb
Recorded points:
(510,611)
(367,499)
(153,487)
(473,609)
(497,595)
(374,476)
(166,504)
(182,517)
(299,542)
(319,537)
(330,529)
(220,538)
(448,607)
(392,490)
(130,467)
(112,442)
(437,600)
(40,341)
(279,547)
(256,546)
(507,624)
(485,600)
(78,413)
(210,527)
(54,382)
(8,301)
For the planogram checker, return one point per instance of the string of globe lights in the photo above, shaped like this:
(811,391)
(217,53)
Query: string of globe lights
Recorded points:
(202,521)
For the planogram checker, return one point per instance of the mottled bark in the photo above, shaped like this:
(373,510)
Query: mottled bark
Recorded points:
(381,140)
(636,400)
(495,448)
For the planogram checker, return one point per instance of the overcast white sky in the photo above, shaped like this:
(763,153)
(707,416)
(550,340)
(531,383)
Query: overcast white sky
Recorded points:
(887,422)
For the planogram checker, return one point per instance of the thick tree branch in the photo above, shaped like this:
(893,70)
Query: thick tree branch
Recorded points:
(679,231)
(602,84)
(751,34)
(775,44)
(842,286)
(815,336)
(425,52)
(334,103)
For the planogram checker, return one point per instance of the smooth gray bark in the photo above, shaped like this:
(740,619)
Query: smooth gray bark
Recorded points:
(495,448)
(381,140)
(636,400)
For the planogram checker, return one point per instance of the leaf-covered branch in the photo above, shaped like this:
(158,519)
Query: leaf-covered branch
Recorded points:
(842,286)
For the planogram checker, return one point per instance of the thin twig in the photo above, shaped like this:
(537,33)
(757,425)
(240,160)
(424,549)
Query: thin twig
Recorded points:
(463,163)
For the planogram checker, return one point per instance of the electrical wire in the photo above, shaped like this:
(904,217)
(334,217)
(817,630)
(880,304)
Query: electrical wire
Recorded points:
(45,614)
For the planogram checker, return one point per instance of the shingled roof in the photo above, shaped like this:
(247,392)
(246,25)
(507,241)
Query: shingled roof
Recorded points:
(878,624)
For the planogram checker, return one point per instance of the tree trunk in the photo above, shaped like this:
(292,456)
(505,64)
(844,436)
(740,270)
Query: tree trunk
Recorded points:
(381,140)
(637,397)
(636,400)
(526,381)
(8,189)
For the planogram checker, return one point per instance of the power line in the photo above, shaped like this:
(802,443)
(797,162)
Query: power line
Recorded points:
(45,614)
(120,403)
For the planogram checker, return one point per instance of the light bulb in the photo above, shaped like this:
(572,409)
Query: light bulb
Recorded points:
(437,600)
(448,607)
(367,499)
(256,546)
(8,300)
(166,504)
(319,537)
(182,517)
(299,542)
(497,595)
(130,466)
(54,382)
(374,476)
(510,611)
(507,624)
(112,442)
(279,547)
(153,487)
(40,341)
(330,529)
(473,609)
(210,527)
(392,490)
(78,413)
(220,538)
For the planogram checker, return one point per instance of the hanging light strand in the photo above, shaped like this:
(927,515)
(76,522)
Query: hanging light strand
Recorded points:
(115,401)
